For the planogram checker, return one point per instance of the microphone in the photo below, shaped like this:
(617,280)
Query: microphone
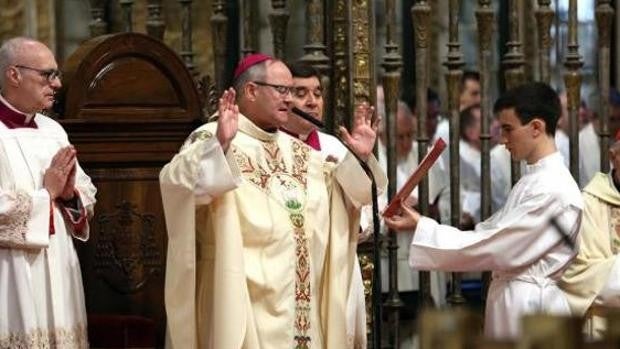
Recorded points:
(311,119)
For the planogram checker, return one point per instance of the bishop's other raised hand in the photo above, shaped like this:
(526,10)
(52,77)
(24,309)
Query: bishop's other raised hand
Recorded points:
(363,133)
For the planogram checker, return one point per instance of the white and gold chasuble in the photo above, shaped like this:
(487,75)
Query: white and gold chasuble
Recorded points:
(260,253)
(41,292)
(592,280)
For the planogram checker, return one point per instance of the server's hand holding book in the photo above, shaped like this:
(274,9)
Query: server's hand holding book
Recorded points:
(423,167)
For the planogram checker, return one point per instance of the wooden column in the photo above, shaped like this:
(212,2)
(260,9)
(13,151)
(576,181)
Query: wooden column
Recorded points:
(604,22)
(126,6)
(485,17)
(278,19)
(572,80)
(98,25)
(219,26)
(249,26)
(186,35)
(155,25)
(315,48)
(544,19)
(513,63)
(342,96)
(392,63)
(420,13)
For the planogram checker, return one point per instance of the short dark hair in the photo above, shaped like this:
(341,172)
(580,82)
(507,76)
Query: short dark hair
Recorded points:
(408,96)
(466,118)
(303,70)
(533,100)
(468,75)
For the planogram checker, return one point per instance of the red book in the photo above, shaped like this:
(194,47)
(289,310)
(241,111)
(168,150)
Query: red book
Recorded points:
(415,178)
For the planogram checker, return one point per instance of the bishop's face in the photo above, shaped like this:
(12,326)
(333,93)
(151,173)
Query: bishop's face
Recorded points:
(272,96)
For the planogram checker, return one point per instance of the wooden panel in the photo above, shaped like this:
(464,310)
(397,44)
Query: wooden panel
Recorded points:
(128,103)
(123,263)
(128,76)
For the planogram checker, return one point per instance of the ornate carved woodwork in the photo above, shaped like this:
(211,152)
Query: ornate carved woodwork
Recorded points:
(362,36)
(420,13)
(278,19)
(513,63)
(315,49)
(544,19)
(485,17)
(219,25)
(128,104)
(126,6)
(155,25)
(392,64)
(341,82)
(126,255)
(604,22)
(98,25)
(572,80)
(186,34)
(249,34)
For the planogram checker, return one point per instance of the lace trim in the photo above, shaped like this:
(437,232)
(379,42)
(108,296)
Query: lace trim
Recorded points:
(14,222)
(60,338)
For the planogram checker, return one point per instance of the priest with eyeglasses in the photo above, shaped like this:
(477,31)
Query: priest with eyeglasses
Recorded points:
(45,202)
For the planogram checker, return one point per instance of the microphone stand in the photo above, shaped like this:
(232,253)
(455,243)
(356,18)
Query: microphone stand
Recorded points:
(376,286)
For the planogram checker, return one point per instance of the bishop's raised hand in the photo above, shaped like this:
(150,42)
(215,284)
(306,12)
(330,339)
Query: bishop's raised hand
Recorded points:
(228,118)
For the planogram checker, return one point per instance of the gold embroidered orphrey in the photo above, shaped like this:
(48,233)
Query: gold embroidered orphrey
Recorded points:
(615,231)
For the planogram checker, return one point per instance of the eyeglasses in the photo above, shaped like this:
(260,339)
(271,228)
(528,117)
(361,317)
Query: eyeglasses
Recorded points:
(49,74)
(283,90)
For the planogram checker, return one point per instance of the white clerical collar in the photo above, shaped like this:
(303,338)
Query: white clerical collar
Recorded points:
(552,159)
(247,126)
(10,106)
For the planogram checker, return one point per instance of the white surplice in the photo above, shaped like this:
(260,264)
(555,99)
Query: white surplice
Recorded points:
(589,154)
(470,179)
(41,292)
(562,143)
(260,250)
(526,253)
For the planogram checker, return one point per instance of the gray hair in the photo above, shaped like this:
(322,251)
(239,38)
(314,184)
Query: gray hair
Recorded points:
(9,53)
(255,72)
